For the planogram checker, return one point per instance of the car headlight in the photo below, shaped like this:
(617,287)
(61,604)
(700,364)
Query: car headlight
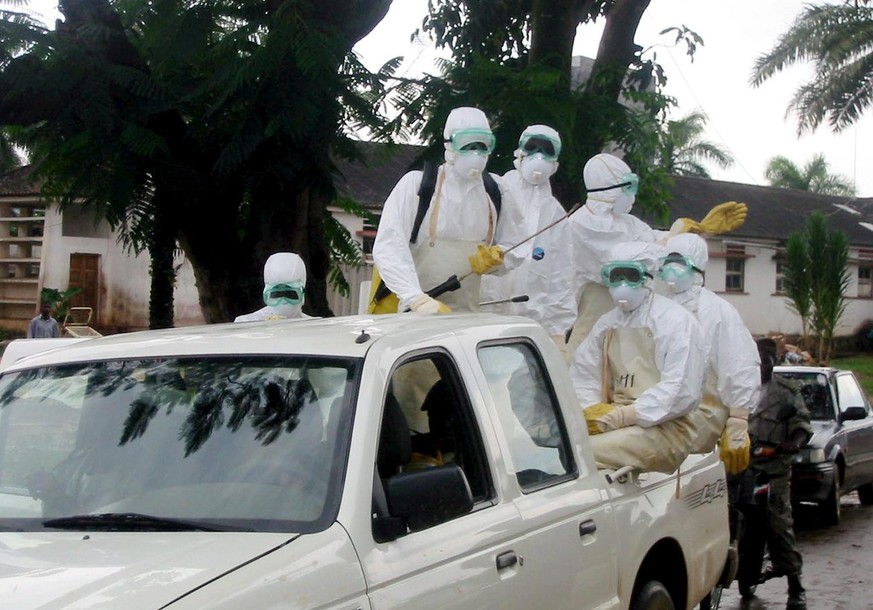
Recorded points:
(810,455)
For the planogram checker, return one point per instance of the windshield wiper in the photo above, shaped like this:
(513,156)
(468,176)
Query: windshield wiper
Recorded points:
(134,522)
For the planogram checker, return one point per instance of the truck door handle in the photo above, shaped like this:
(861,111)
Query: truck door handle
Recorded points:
(506,560)
(587,527)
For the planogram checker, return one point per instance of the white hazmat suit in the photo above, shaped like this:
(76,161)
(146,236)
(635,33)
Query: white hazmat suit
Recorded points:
(639,373)
(540,274)
(284,284)
(733,375)
(602,223)
(461,223)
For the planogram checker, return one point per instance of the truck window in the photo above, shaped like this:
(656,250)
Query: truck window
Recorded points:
(428,421)
(849,392)
(529,414)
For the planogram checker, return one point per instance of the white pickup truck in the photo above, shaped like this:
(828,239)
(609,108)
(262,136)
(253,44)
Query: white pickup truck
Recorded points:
(350,463)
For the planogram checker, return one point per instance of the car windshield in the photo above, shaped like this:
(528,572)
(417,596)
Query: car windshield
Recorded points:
(816,393)
(254,443)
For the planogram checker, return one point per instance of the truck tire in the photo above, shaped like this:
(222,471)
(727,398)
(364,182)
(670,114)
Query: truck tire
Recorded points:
(653,596)
(865,494)
(829,510)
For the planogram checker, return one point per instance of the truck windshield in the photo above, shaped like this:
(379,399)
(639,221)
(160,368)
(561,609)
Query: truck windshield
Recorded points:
(253,443)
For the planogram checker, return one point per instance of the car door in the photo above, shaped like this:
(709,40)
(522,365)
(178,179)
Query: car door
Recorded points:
(566,515)
(858,434)
(469,561)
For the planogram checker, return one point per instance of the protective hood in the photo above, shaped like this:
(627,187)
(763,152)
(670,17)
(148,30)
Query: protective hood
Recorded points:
(690,245)
(284,267)
(603,171)
(460,120)
(537,163)
(637,251)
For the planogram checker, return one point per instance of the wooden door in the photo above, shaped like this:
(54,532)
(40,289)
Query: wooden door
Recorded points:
(84,274)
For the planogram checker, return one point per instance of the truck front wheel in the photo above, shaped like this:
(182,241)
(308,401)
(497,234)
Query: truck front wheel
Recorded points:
(653,596)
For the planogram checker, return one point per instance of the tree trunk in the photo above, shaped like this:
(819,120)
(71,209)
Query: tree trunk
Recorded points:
(161,248)
(553,31)
(617,48)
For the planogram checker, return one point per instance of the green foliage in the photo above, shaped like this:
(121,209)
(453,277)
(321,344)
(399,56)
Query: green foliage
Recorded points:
(59,300)
(838,40)
(816,277)
(344,250)
(813,177)
(684,151)
(210,123)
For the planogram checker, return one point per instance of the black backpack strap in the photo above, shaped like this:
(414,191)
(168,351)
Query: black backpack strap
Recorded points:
(425,193)
(493,191)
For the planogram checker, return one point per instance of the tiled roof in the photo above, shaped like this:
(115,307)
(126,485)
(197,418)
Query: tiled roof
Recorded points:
(773,213)
(371,182)
(19,181)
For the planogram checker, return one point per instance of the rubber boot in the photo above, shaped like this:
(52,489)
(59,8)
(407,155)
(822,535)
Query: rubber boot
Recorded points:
(796,594)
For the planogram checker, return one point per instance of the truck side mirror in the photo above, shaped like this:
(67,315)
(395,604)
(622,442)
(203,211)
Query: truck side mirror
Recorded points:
(852,413)
(424,498)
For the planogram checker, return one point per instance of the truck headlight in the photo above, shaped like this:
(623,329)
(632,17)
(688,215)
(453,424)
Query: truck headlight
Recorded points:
(810,455)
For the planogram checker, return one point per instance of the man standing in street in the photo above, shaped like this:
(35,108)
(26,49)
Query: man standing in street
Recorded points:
(780,424)
(44,325)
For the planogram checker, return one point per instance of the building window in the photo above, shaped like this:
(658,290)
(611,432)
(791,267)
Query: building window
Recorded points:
(780,285)
(735,269)
(368,237)
(865,286)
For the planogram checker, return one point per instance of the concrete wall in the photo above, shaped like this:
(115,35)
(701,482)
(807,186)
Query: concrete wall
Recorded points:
(762,309)
(123,277)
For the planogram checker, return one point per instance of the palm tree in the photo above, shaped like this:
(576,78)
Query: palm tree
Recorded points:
(9,159)
(838,40)
(781,172)
(684,150)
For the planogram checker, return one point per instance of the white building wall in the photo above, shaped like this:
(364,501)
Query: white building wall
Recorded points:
(124,278)
(762,309)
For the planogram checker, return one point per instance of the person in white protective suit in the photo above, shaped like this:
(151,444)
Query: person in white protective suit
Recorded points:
(639,373)
(536,160)
(733,374)
(459,233)
(284,288)
(604,221)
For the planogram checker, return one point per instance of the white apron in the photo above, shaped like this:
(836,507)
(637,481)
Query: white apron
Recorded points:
(629,370)
(593,303)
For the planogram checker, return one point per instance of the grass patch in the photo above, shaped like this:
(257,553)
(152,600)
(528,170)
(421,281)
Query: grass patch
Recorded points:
(862,367)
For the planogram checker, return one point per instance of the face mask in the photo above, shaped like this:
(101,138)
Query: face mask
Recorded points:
(471,166)
(623,204)
(628,298)
(537,170)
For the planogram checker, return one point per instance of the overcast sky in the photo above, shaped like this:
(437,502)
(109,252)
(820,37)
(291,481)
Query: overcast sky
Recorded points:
(749,122)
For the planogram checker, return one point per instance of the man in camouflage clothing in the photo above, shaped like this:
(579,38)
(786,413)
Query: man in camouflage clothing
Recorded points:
(781,423)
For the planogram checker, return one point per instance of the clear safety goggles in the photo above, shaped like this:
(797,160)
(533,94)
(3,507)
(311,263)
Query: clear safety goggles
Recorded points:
(290,293)
(472,142)
(629,273)
(544,145)
(629,185)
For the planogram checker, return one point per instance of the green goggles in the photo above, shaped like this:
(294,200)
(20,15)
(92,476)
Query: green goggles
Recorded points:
(290,293)
(676,264)
(629,273)
(538,144)
(629,185)
(472,142)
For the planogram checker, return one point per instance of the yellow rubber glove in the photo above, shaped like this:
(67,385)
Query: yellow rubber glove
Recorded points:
(428,304)
(594,413)
(486,259)
(722,218)
(602,420)
(733,447)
